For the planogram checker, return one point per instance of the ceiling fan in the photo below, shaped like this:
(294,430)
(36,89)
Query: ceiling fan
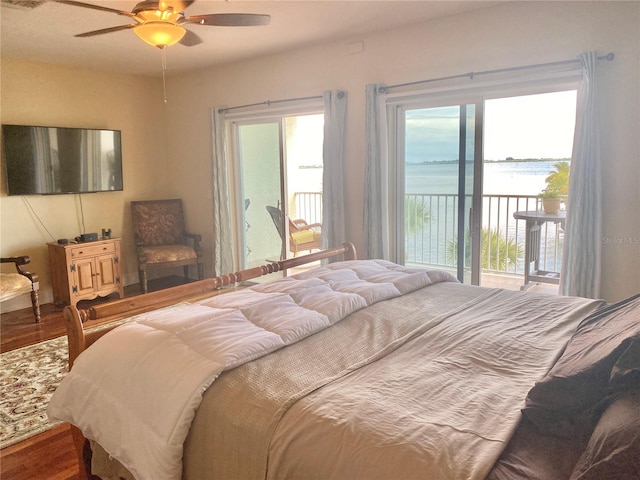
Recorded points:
(161,23)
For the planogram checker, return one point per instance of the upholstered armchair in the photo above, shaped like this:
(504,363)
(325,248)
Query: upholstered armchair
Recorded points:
(302,235)
(20,282)
(161,238)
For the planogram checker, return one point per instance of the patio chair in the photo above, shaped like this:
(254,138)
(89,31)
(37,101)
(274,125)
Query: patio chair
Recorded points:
(302,235)
(161,238)
(14,284)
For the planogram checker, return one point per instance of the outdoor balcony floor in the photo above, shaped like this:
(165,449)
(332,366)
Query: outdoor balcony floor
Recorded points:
(514,282)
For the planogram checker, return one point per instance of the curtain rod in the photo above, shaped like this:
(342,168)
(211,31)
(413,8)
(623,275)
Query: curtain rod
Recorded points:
(269,103)
(609,57)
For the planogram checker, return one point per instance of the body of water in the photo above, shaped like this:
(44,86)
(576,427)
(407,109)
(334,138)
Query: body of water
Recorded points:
(499,178)
(502,179)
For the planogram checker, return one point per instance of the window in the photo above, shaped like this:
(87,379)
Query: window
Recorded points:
(463,165)
(278,167)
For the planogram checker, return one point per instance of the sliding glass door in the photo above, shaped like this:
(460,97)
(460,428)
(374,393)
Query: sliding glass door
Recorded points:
(438,160)
(261,174)
(464,169)
(279,177)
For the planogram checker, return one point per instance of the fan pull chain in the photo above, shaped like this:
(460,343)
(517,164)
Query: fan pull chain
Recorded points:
(164,70)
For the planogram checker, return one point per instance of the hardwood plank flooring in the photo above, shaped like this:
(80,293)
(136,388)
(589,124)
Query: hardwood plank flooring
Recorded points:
(51,454)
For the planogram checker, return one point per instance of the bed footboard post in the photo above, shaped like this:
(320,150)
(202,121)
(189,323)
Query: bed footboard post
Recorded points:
(349,251)
(76,340)
(75,332)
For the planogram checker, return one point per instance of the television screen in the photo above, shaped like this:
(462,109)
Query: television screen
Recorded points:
(55,160)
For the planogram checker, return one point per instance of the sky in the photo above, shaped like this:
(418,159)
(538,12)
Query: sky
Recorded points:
(535,126)
(532,126)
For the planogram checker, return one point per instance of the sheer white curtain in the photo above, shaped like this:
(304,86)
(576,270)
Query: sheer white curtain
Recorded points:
(222,236)
(376,190)
(581,258)
(333,224)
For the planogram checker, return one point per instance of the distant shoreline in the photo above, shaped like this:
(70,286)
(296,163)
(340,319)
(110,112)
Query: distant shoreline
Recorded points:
(450,162)
(506,160)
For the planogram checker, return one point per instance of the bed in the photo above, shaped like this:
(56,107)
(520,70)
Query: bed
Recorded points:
(355,369)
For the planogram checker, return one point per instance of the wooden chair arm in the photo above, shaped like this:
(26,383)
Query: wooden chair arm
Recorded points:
(23,260)
(196,237)
(300,224)
(19,262)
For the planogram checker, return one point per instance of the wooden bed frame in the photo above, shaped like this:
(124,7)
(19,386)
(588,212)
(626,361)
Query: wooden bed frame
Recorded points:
(108,314)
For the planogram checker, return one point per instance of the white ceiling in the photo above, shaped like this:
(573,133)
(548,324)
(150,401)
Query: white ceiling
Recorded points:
(46,33)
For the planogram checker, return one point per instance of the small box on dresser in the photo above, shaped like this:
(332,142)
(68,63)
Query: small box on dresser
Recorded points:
(84,271)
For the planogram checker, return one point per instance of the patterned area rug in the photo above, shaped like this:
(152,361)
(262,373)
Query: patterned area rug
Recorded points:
(28,378)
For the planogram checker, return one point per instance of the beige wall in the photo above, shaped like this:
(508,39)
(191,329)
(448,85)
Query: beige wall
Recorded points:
(39,94)
(508,35)
(512,34)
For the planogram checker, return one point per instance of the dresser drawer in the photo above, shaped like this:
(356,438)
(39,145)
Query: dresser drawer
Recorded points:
(90,250)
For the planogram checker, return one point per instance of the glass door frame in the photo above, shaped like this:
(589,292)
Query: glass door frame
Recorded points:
(270,114)
(397,135)
(239,188)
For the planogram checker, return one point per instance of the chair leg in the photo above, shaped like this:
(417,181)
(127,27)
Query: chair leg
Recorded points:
(36,305)
(186,272)
(143,280)
(200,271)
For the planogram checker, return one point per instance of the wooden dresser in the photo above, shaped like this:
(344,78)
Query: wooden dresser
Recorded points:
(83,271)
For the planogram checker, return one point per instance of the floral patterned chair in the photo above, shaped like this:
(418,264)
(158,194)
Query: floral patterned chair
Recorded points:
(14,284)
(161,238)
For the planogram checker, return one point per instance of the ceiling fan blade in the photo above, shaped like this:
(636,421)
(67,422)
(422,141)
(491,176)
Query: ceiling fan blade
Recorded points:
(230,19)
(105,30)
(95,7)
(190,39)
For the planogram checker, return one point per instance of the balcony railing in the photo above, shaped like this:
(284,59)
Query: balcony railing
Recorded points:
(308,206)
(431,231)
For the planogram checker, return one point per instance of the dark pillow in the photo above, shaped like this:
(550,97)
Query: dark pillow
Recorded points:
(613,451)
(600,361)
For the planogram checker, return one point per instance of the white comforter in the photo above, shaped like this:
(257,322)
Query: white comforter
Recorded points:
(136,390)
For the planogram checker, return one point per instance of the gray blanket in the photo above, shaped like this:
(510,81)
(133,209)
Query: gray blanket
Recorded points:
(394,391)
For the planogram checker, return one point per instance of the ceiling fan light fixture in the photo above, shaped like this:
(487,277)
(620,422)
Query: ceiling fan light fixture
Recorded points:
(160,34)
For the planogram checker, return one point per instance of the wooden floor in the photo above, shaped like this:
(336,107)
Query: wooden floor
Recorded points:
(50,455)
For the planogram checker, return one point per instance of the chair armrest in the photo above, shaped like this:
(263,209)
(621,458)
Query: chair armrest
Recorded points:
(19,262)
(195,237)
(23,260)
(300,224)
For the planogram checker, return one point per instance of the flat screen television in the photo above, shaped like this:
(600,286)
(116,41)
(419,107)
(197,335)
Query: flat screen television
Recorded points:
(57,160)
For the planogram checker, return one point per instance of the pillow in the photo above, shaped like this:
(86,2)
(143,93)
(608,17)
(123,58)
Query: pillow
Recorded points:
(302,236)
(613,451)
(599,362)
